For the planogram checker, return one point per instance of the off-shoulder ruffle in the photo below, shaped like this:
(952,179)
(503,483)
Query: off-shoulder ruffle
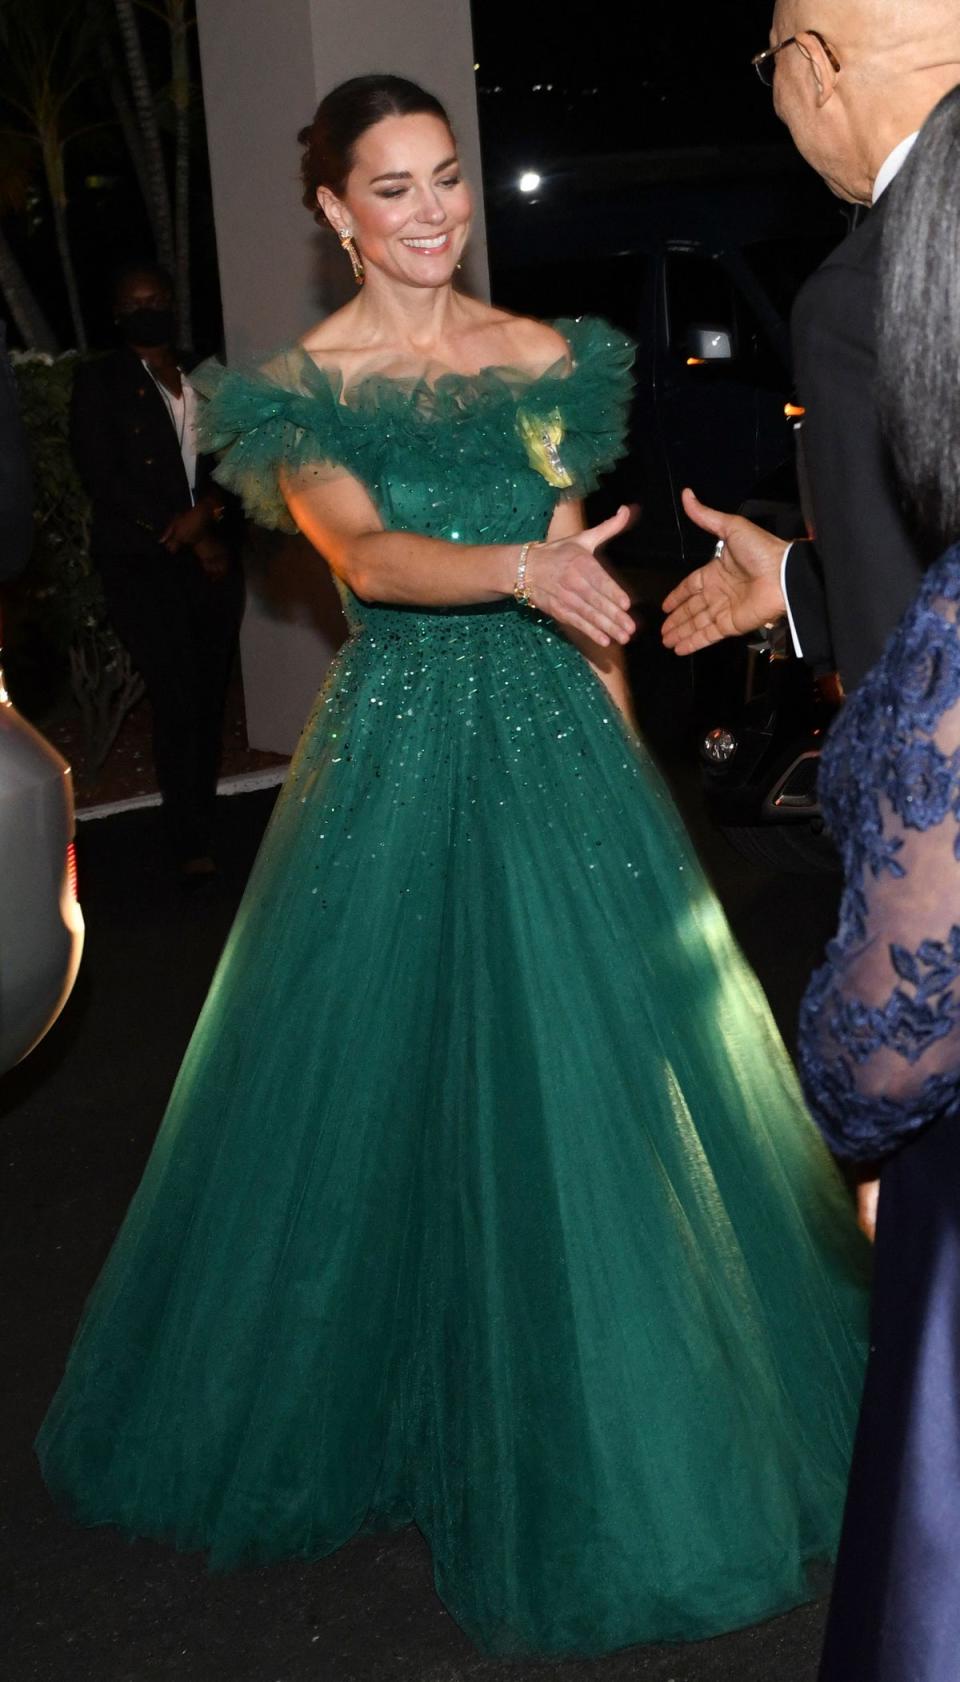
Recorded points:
(290,414)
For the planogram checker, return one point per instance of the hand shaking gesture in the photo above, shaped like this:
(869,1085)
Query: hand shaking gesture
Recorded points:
(565,579)
(736,592)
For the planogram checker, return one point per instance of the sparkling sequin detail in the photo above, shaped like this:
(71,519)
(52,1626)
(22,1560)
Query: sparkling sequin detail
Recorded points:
(486,1165)
(449,459)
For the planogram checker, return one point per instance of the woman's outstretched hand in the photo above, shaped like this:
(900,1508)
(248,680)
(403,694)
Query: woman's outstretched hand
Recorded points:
(565,579)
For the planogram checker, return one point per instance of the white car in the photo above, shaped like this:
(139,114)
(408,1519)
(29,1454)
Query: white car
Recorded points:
(41,925)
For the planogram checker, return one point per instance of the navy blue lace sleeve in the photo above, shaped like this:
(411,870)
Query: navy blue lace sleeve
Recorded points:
(880,1022)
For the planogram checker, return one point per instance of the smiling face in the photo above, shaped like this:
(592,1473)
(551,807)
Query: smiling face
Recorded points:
(405,201)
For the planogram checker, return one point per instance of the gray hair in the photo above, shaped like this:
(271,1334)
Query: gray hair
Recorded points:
(919,328)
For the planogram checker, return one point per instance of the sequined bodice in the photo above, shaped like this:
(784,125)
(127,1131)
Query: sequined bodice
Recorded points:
(443,492)
(880,1024)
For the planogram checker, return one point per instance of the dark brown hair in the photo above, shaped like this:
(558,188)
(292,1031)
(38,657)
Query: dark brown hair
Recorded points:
(329,142)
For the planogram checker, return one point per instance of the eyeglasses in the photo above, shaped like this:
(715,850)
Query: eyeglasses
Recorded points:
(765,64)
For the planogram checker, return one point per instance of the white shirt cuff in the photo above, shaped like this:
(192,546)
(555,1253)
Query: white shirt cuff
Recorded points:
(798,651)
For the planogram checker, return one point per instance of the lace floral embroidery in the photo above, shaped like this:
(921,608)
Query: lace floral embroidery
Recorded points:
(880,1023)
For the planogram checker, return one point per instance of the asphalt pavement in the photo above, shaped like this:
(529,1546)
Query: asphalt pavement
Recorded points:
(76,1123)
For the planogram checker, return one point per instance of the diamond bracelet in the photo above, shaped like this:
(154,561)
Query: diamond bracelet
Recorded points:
(520,587)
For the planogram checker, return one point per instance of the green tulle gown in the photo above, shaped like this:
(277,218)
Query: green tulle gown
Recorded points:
(486,1199)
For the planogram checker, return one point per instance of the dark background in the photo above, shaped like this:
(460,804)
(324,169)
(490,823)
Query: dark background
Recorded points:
(610,77)
(551,82)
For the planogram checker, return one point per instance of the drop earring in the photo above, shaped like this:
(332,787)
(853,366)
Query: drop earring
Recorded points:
(356,261)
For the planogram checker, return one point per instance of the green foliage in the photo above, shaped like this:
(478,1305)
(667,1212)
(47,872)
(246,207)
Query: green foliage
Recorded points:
(60,587)
(90,89)
(58,626)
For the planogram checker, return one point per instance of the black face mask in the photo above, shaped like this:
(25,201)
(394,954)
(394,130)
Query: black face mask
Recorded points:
(147,327)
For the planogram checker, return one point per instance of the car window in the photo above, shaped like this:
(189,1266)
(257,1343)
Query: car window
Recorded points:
(764,349)
(782,265)
(699,293)
(614,287)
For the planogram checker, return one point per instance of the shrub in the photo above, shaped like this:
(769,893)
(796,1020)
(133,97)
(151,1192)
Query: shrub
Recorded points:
(59,620)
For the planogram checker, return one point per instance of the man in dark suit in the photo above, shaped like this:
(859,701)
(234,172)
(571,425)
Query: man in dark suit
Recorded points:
(854,95)
(16,492)
(854,92)
(172,583)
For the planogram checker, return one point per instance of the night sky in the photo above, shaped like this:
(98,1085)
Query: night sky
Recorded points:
(665,75)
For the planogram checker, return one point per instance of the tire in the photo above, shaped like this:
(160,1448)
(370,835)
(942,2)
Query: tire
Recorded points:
(795,849)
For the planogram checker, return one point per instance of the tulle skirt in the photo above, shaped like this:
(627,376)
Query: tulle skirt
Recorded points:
(486,1199)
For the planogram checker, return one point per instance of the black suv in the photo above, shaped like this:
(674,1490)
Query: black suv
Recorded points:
(698,256)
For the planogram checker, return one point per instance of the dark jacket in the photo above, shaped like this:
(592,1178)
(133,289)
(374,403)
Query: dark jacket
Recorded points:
(849,589)
(128,457)
(16,488)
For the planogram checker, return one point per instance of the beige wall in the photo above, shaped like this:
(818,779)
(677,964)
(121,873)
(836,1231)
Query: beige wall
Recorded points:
(266,64)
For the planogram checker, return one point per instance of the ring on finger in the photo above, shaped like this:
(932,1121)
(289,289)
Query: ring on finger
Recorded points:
(720,547)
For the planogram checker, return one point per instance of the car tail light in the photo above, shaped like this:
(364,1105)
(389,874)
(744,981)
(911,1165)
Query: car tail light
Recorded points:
(72,869)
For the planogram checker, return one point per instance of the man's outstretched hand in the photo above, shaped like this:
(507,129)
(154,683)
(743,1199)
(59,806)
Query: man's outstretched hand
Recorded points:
(736,592)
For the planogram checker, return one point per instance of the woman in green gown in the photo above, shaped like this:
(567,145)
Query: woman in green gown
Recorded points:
(485,1199)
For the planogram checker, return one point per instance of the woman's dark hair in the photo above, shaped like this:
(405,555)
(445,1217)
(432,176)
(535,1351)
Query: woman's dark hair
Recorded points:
(919,327)
(343,116)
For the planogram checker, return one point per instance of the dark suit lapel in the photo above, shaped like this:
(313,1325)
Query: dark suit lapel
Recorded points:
(152,425)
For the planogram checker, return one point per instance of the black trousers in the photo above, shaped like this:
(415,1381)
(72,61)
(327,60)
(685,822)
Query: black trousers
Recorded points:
(180,628)
(895,1612)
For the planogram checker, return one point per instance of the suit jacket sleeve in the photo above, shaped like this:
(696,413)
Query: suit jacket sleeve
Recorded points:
(16,489)
(849,589)
(96,445)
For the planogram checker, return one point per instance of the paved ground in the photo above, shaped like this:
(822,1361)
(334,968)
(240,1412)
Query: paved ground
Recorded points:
(76,1122)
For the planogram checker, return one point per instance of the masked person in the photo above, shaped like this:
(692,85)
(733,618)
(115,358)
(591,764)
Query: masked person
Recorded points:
(172,581)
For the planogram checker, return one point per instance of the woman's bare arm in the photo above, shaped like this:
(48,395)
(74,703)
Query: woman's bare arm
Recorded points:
(336,513)
(609,661)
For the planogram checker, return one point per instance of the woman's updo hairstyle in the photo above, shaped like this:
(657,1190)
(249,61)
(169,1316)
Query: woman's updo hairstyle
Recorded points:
(329,142)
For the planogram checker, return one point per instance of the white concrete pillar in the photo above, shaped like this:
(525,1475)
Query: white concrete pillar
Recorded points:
(266,65)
